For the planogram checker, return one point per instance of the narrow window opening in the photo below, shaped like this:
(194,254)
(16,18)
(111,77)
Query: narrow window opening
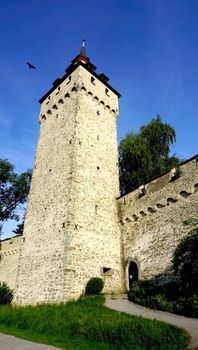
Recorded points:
(48,99)
(184,194)
(61,101)
(58,90)
(128,220)
(98,112)
(67,95)
(151,210)
(107,92)
(142,191)
(107,271)
(175,173)
(171,200)
(49,111)
(55,107)
(68,80)
(93,80)
(159,205)
(98,167)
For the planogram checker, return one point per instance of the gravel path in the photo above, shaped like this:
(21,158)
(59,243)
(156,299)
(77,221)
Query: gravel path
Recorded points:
(120,303)
(8,342)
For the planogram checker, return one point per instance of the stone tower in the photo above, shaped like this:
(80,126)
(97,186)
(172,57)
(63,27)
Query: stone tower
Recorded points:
(71,229)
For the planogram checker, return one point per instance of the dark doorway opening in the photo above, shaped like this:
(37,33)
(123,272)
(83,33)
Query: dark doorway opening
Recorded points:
(133,273)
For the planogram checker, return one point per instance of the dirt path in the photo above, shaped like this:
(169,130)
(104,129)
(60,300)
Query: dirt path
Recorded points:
(8,342)
(120,303)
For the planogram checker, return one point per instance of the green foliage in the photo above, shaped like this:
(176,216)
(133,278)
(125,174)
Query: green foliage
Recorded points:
(192,222)
(94,286)
(164,295)
(87,325)
(6,294)
(185,261)
(19,229)
(14,189)
(145,156)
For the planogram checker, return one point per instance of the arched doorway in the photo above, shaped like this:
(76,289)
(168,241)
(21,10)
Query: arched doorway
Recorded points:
(132,273)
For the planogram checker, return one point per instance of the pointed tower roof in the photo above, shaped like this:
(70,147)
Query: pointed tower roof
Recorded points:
(81,60)
(82,57)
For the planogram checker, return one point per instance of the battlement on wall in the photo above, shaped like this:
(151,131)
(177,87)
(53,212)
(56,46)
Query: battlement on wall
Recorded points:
(10,246)
(152,217)
(79,81)
(167,190)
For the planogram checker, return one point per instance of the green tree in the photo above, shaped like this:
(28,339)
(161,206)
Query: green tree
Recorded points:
(14,189)
(185,259)
(145,156)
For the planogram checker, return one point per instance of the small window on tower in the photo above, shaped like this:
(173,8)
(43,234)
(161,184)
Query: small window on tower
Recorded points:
(93,80)
(58,90)
(107,271)
(69,80)
(107,92)
(48,99)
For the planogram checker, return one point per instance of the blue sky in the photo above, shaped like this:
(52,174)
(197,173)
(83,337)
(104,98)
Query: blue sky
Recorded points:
(148,48)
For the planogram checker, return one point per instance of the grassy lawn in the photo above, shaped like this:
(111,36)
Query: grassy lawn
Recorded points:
(87,324)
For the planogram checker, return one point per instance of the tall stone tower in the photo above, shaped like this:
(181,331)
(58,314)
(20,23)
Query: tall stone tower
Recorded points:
(71,229)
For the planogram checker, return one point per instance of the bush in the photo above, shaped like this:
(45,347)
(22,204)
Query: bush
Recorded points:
(94,286)
(164,295)
(6,294)
(185,261)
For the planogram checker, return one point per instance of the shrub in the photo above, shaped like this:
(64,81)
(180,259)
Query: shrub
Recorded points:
(94,286)
(164,295)
(6,294)
(185,261)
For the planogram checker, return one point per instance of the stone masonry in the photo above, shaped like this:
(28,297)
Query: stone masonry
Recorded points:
(71,229)
(152,217)
(76,224)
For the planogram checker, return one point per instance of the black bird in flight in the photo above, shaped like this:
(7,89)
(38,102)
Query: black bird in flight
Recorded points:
(30,66)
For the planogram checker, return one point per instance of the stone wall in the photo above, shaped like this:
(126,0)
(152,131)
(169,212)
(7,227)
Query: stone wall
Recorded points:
(151,219)
(71,231)
(9,256)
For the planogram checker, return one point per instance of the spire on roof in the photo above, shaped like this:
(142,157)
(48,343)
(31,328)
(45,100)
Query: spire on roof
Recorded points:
(82,57)
(82,51)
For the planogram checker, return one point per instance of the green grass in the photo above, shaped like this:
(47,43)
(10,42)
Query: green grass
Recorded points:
(87,324)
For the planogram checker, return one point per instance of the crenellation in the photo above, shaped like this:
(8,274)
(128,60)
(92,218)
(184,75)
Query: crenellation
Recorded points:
(152,225)
(76,224)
